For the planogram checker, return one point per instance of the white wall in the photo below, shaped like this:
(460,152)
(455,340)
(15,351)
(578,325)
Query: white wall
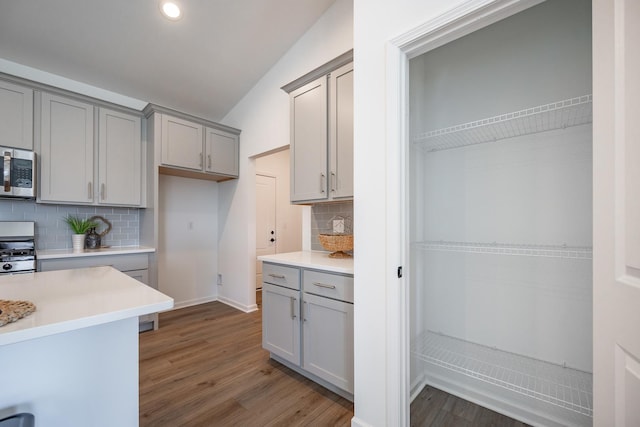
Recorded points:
(263,116)
(188,240)
(288,216)
(375,23)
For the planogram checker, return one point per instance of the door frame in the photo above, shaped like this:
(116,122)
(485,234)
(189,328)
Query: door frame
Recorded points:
(464,19)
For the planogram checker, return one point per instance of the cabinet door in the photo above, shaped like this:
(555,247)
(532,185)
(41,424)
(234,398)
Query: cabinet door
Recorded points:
(66,154)
(120,163)
(181,143)
(281,322)
(328,340)
(341,132)
(308,106)
(16,116)
(221,149)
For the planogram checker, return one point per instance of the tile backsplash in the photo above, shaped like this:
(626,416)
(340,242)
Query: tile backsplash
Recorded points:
(53,233)
(321,215)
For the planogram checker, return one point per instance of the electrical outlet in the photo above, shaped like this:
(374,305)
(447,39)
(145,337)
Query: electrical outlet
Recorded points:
(338,225)
(219,279)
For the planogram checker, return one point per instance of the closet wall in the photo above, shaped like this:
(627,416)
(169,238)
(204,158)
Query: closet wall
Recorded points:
(500,205)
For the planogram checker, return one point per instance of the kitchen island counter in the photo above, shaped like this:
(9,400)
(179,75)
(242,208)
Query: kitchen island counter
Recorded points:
(317,260)
(72,299)
(74,361)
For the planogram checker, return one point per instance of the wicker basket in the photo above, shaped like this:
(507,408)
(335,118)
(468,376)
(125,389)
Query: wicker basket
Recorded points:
(10,311)
(337,243)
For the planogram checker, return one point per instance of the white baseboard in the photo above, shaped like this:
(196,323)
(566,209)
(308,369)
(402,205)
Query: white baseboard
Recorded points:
(237,305)
(189,303)
(357,422)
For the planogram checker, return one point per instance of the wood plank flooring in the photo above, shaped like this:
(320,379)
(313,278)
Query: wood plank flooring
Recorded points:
(433,407)
(205,366)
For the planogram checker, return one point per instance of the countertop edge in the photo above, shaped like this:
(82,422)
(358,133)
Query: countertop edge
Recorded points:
(316,260)
(85,322)
(42,254)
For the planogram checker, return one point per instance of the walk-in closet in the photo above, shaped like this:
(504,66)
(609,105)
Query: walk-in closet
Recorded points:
(500,216)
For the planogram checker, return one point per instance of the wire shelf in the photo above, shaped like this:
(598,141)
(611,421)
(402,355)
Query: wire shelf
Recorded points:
(557,115)
(549,251)
(560,386)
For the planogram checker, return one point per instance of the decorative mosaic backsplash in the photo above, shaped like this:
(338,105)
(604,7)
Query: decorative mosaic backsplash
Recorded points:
(53,233)
(321,216)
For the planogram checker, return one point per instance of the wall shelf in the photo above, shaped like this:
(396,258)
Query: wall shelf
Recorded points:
(549,251)
(557,115)
(554,384)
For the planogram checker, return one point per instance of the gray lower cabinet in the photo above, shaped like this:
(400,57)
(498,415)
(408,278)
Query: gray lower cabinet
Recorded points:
(134,265)
(308,323)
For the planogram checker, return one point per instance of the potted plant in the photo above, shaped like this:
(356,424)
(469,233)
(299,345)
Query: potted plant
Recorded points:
(80,227)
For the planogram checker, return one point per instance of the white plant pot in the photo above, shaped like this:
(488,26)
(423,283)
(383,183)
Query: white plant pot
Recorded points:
(78,242)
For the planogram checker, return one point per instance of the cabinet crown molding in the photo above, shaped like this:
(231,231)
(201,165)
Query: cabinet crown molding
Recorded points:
(335,63)
(154,108)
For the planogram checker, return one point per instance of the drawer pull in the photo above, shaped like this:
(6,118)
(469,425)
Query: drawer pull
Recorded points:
(276,276)
(322,285)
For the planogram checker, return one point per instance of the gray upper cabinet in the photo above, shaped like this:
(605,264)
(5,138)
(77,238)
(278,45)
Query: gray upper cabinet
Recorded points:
(322,136)
(181,143)
(194,150)
(119,159)
(341,133)
(16,116)
(309,141)
(68,172)
(221,150)
(66,150)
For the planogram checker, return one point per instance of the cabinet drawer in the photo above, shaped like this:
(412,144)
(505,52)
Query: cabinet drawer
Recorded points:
(119,262)
(328,285)
(288,277)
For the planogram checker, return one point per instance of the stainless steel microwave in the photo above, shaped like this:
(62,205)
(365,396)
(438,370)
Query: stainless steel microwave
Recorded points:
(18,173)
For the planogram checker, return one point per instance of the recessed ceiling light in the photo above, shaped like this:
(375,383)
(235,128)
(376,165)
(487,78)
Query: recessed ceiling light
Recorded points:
(170,9)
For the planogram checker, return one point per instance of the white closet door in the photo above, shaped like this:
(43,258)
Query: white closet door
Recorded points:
(616,246)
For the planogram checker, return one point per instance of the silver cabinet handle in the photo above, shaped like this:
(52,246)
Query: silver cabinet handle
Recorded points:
(102,191)
(304,312)
(276,276)
(322,285)
(200,159)
(6,171)
(333,182)
(292,301)
(322,182)
(209,160)
(90,190)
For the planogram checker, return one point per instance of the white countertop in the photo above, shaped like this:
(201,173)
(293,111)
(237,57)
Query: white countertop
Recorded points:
(68,253)
(67,300)
(312,259)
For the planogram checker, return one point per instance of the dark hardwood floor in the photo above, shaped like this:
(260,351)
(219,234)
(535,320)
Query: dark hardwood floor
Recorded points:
(205,366)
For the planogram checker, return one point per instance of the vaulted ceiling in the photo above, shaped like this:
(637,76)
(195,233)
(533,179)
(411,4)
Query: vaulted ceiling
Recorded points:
(202,64)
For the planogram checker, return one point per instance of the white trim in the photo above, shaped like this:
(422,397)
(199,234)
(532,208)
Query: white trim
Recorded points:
(465,19)
(192,302)
(235,304)
(357,422)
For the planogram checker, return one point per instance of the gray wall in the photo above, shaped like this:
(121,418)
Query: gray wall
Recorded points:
(321,215)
